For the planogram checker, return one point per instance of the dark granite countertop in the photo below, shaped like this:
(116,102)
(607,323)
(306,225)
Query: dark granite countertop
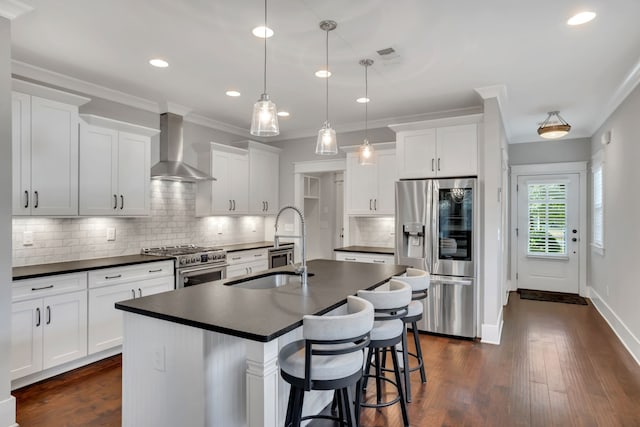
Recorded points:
(253,245)
(40,270)
(367,249)
(263,314)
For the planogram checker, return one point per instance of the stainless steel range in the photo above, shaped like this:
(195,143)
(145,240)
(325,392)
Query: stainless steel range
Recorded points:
(194,264)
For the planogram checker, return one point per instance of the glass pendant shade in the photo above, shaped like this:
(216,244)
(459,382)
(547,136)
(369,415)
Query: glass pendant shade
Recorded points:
(366,154)
(264,121)
(327,143)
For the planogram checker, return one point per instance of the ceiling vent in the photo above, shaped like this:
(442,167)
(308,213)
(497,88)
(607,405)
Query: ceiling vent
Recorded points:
(388,56)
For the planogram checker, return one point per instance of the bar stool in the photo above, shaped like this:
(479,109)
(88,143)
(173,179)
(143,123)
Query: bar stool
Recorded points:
(390,307)
(330,357)
(419,280)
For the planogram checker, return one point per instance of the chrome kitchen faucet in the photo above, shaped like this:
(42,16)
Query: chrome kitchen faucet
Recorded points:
(302,270)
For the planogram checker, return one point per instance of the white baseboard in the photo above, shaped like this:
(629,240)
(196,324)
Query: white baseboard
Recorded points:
(624,334)
(8,412)
(491,334)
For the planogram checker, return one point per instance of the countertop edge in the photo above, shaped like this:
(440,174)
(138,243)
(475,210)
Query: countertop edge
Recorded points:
(367,250)
(251,246)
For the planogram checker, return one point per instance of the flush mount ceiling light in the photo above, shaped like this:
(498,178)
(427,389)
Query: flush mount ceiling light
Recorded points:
(232,93)
(159,63)
(262,32)
(365,153)
(362,100)
(327,143)
(581,18)
(554,126)
(264,121)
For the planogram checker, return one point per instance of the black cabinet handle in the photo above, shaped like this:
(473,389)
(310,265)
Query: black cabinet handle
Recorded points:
(115,201)
(42,287)
(230,205)
(133,293)
(155,271)
(37,199)
(438,164)
(38,316)
(48,315)
(121,202)
(432,165)
(26,199)
(117,276)
(375,204)
(140,292)
(234,205)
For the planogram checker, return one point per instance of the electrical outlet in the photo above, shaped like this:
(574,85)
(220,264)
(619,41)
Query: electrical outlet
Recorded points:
(111,234)
(159,359)
(27,238)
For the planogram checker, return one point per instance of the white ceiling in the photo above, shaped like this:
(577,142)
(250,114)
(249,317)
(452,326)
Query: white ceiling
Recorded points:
(446,50)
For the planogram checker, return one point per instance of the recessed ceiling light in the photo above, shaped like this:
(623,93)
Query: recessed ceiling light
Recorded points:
(160,63)
(323,74)
(581,18)
(283,113)
(232,93)
(363,100)
(260,32)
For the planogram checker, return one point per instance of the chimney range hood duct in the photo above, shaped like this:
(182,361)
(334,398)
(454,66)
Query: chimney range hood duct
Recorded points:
(171,167)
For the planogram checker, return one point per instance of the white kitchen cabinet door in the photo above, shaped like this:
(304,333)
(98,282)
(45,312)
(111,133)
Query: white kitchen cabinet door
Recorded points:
(264,173)
(154,286)
(133,174)
(362,182)
(416,154)
(54,157)
(105,322)
(237,270)
(65,328)
(98,170)
(457,150)
(21,153)
(26,337)
(230,193)
(385,202)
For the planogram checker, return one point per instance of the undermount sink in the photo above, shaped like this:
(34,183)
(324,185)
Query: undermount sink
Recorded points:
(267,281)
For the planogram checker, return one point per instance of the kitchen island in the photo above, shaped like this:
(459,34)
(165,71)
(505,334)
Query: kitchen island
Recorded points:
(207,355)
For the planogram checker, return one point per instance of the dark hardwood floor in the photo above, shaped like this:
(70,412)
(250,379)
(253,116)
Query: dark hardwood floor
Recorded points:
(558,365)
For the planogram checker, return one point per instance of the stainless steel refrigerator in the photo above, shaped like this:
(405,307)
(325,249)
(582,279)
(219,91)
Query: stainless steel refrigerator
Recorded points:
(436,231)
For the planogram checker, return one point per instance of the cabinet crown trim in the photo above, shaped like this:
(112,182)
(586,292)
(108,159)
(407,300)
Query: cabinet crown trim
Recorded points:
(448,121)
(256,145)
(228,148)
(48,93)
(376,146)
(118,125)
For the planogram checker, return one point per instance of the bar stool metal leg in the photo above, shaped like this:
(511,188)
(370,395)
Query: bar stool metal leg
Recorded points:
(416,340)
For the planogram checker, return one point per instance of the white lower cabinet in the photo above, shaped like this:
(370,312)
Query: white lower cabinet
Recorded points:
(247,262)
(365,257)
(49,323)
(108,286)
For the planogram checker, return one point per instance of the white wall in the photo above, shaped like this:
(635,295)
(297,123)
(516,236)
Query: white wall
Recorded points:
(7,402)
(613,277)
(550,151)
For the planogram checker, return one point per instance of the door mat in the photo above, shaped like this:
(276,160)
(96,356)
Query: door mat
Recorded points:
(552,296)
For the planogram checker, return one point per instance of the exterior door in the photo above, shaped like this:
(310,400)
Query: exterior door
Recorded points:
(548,212)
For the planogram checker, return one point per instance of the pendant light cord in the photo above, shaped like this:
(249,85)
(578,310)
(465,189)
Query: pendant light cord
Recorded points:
(265,48)
(366,104)
(327,70)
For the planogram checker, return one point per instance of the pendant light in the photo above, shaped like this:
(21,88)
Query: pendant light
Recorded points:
(327,143)
(264,121)
(365,153)
(554,128)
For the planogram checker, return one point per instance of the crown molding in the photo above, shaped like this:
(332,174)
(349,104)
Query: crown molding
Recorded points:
(215,124)
(499,92)
(11,9)
(29,71)
(383,123)
(625,88)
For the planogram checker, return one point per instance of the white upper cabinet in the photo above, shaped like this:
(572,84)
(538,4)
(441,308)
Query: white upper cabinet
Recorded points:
(114,167)
(264,171)
(229,194)
(371,188)
(437,150)
(45,150)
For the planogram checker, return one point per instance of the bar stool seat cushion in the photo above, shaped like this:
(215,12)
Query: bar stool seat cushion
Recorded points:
(415,308)
(387,329)
(323,368)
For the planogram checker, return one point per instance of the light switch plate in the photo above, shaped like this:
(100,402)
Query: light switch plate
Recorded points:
(27,238)
(111,234)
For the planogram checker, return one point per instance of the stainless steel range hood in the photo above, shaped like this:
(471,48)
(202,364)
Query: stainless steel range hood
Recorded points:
(171,167)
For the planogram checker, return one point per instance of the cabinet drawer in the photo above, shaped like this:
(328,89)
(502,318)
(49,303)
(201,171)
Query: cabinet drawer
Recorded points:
(117,275)
(49,285)
(365,257)
(241,257)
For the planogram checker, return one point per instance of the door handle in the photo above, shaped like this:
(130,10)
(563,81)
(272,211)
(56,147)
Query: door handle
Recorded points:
(48,315)
(574,231)
(26,199)
(36,201)
(574,239)
(37,317)
(121,202)
(115,201)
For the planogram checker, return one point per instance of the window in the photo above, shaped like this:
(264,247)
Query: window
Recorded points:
(597,196)
(547,219)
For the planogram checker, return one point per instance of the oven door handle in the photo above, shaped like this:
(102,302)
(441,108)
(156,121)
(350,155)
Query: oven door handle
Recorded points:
(195,270)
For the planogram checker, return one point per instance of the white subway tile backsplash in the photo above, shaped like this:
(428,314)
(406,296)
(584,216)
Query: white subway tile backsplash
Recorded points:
(172,222)
(372,231)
